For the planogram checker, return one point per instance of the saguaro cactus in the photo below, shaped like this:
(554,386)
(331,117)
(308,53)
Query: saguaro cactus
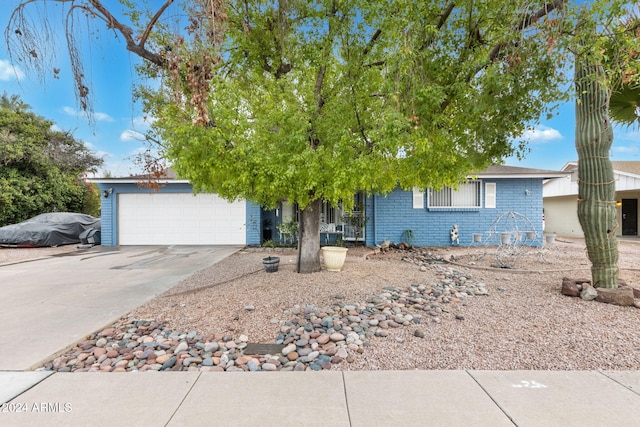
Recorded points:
(596,185)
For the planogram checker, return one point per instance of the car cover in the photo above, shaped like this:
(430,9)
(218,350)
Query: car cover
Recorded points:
(49,229)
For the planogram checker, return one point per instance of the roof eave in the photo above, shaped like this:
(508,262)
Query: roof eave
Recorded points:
(537,176)
(134,181)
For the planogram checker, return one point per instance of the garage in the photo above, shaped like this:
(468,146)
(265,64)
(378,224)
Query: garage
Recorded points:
(150,218)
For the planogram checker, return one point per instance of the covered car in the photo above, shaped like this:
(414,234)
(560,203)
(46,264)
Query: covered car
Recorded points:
(49,229)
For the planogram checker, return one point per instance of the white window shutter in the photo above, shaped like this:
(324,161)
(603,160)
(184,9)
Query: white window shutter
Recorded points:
(418,198)
(490,195)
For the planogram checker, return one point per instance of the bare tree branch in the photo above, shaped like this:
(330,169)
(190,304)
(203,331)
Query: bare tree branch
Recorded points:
(127,32)
(152,22)
(371,42)
(443,19)
(526,22)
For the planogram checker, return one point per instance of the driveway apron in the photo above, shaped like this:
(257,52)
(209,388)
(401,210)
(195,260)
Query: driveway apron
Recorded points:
(50,303)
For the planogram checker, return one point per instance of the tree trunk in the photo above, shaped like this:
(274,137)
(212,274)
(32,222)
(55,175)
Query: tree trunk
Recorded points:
(309,240)
(596,185)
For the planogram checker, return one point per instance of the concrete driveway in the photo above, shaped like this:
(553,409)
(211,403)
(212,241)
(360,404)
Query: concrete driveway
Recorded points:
(50,303)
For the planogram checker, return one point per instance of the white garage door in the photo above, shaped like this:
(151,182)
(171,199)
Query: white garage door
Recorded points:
(180,219)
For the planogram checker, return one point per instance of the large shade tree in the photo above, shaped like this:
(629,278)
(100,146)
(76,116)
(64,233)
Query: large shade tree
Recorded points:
(313,101)
(41,168)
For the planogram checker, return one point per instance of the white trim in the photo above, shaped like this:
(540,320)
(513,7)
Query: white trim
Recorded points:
(490,195)
(418,198)
(135,181)
(514,175)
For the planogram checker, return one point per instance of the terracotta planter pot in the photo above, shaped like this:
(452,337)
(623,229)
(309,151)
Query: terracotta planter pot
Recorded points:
(334,257)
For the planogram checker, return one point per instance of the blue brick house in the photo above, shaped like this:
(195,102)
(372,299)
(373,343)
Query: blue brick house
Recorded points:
(474,206)
(173,214)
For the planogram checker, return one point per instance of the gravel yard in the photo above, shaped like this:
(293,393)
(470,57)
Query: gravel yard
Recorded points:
(522,323)
(11,255)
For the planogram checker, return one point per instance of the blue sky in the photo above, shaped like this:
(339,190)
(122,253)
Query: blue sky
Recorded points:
(110,70)
(118,121)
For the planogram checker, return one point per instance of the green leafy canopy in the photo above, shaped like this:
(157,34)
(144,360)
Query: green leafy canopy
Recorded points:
(309,100)
(41,169)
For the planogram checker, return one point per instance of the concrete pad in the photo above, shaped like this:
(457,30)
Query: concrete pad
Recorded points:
(419,398)
(629,379)
(14,383)
(51,303)
(561,398)
(101,399)
(265,399)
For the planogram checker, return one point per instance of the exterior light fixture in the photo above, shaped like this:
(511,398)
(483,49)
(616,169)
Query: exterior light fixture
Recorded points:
(106,193)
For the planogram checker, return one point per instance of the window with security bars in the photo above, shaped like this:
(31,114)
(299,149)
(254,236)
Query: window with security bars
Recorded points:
(467,195)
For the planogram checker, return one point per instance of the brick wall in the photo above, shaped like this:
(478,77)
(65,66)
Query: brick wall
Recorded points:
(389,216)
(107,207)
(254,224)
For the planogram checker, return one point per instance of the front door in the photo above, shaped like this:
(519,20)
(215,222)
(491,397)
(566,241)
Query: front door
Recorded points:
(629,217)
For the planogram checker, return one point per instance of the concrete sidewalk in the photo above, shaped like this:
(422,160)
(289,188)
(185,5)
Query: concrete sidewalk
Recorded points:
(362,398)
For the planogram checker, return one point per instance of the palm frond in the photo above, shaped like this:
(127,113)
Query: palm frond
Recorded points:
(624,106)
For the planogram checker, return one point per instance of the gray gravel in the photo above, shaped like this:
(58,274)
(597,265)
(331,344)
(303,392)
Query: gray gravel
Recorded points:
(522,323)
(12,255)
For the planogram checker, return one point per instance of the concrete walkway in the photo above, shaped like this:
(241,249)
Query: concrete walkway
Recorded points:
(51,303)
(356,399)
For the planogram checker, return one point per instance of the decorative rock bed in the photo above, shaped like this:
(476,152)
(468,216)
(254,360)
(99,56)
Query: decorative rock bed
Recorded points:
(624,295)
(312,338)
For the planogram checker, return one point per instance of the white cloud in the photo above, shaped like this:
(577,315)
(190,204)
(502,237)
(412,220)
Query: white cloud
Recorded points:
(625,150)
(9,72)
(118,166)
(101,117)
(542,134)
(118,169)
(627,134)
(122,167)
(626,142)
(131,135)
(143,122)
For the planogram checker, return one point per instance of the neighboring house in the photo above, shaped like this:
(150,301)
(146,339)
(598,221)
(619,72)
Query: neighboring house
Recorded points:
(561,200)
(134,215)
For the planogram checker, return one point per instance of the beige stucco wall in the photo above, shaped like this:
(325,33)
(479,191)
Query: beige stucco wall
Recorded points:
(561,216)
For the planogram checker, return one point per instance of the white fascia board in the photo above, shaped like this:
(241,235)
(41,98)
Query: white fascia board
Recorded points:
(508,176)
(134,181)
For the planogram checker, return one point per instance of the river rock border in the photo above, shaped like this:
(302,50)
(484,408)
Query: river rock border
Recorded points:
(312,338)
